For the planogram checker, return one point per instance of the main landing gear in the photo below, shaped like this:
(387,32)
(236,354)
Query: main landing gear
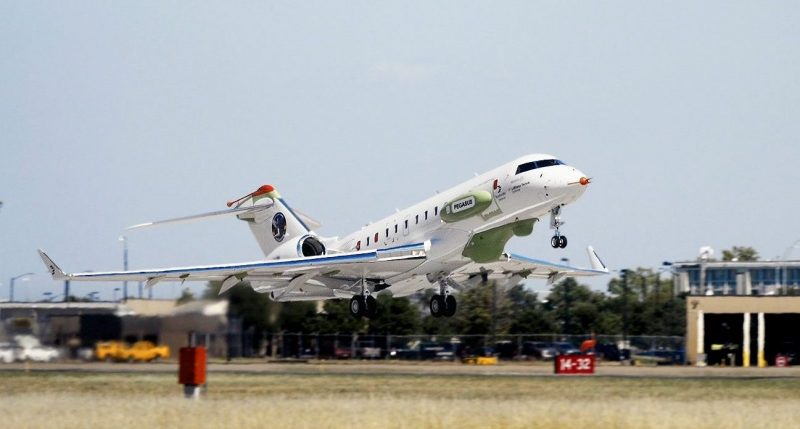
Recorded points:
(558,240)
(364,305)
(443,303)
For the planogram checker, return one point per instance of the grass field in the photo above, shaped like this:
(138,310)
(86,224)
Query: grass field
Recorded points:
(115,400)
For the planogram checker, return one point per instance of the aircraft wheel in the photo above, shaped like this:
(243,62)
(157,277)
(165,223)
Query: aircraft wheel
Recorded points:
(437,306)
(372,307)
(555,242)
(357,306)
(450,306)
(562,241)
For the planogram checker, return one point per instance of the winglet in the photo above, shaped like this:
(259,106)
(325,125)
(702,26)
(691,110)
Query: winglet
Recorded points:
(52,267)
(597,263)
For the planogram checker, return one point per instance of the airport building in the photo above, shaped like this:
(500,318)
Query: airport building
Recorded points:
(75,325)
(741,313)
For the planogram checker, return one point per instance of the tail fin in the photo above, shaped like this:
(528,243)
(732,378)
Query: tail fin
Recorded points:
(277,224)
(597,263)
(55,271)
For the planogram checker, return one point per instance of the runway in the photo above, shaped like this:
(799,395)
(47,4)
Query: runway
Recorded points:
(415,369)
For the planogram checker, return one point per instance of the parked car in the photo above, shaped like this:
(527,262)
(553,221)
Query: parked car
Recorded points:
(564,348)
(9,352)
(110,350)
(31,349)
(539,350)
(660,357)
(39,354)
(145,351)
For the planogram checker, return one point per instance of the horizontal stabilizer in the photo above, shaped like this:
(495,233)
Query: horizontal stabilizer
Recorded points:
(235,211)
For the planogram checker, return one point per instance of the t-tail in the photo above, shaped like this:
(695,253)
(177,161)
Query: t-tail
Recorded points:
(280,231)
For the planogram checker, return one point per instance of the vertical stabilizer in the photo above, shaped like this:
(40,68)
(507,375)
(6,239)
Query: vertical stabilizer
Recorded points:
(274,226)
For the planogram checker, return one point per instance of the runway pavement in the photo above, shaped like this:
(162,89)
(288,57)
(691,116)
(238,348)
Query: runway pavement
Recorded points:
(411,369)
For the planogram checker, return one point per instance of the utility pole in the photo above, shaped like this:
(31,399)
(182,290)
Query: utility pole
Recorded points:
(124,241)
(11,285)
(625,273)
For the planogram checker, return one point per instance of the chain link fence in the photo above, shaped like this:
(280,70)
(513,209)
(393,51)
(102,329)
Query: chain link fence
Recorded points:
(453,347)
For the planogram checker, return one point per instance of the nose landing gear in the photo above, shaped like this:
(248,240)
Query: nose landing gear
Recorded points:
(558,240)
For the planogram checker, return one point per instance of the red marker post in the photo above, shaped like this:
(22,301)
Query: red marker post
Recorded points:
(192,370)
(574,365)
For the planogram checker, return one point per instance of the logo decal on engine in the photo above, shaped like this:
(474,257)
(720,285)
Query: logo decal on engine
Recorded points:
(279,227)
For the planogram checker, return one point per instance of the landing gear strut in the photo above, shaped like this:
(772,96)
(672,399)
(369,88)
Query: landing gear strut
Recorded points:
(443,303)
(558,240)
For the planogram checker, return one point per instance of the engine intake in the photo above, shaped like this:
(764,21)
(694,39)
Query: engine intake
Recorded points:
(310,246)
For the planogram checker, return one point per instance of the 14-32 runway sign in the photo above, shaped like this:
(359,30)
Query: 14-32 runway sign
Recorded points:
(575,364)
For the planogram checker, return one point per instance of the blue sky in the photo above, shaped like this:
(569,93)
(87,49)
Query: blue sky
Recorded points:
(685,113)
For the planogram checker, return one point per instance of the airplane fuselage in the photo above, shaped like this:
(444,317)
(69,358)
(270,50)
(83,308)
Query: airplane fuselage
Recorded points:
(518,192)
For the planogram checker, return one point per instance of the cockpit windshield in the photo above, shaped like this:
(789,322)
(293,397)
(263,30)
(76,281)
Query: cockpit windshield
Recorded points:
(528,166)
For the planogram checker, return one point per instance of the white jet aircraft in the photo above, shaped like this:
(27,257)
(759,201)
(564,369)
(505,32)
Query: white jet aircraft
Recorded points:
(452,240)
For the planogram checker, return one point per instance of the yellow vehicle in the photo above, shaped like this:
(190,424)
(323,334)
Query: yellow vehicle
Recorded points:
(110,350)
(480,360)
(145,351)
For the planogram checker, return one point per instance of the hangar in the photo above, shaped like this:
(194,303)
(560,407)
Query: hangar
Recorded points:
(741,313)
(753,329)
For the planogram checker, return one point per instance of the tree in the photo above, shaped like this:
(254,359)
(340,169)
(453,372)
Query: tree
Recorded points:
(398,316)
(528,315)
(186,296)
(740,253)
(482,310)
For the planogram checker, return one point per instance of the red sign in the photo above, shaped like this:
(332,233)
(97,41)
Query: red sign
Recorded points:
(575,364)
(781,361)
(192,366)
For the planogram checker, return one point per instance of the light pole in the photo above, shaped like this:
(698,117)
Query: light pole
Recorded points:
(124,241)
(786,254)
(11,285)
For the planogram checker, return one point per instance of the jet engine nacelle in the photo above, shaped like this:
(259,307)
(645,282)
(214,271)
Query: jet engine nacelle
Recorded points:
(305,246)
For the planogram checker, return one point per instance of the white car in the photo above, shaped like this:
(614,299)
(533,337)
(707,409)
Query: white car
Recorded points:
(8,352)
(39,354)
(31,349)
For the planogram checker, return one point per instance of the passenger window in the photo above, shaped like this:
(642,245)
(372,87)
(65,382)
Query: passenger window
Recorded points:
(387,232)
(417,222)
(376,238)
(395,228)
(358,245)
(406,223)
(436,211)
(367,241)
(426,215)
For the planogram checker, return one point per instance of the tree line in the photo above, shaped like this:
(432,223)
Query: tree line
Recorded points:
(638,303)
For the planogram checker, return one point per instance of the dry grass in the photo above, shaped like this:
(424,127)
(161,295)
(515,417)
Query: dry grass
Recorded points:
(75,400)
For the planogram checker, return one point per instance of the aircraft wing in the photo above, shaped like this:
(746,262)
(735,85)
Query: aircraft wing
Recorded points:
(377,264)
(511,265)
